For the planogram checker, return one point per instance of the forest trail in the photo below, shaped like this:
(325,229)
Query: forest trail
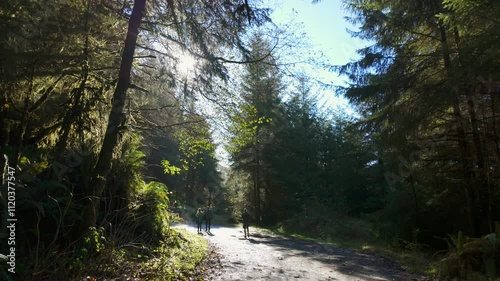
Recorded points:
(272,257)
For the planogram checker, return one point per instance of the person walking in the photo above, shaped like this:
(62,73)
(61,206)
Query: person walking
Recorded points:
(246,222)
(208,219)
(199,218)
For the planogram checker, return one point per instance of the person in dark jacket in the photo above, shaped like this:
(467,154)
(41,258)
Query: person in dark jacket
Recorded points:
(199,218)
(246,222)
(208,218)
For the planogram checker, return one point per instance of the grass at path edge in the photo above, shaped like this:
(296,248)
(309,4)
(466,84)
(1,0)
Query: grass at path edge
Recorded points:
(413,260)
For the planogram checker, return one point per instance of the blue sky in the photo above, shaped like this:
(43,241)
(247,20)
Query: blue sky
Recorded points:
(325,26)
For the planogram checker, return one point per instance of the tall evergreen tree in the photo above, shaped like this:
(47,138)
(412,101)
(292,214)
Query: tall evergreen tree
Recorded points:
(253,123)
(416,88)
(293,154)
(178,23)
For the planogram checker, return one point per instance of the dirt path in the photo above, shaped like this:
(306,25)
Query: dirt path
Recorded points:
(272,257)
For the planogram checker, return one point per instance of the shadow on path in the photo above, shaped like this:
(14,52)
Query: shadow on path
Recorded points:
(271,257)
(346,261)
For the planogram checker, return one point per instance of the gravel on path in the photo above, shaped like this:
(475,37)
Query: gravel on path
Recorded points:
(272,257)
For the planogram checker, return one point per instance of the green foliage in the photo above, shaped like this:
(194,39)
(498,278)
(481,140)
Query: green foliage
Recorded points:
(150,210)
(93,244)
(471,259)
(195,144)
(181,260)
(328,224)
(197,162)
(129,166)
(175,258)
(238,191)
(424,90)
(255,122)
(170,169)
(324,224)
(245,125)
(59,65)
(287,155)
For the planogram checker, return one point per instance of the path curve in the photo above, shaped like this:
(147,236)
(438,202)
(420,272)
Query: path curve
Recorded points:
(274,257)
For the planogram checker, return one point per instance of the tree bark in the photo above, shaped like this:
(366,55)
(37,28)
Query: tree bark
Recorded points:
(461,139)
(103,166)
(480,183)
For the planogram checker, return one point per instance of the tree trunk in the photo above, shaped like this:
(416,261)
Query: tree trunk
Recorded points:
(494,127)
(103,166)
(415,199)
(254,181)
(258,212)
(461,139)
(492,180)
(481,203)
(480,179)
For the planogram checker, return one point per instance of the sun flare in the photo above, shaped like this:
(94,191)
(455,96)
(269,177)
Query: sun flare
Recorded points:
(186,64)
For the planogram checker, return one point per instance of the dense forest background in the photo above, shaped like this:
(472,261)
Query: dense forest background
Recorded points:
(109,130)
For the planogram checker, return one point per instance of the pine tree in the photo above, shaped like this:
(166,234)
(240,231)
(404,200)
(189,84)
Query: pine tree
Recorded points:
(253,123)
(177,22)
(416,87)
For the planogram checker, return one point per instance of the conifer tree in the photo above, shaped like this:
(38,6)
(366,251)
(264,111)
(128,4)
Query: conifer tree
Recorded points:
(420,92)
(253,123)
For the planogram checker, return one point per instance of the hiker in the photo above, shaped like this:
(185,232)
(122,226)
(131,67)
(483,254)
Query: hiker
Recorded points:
(208,218)
(246,222)
(199,219)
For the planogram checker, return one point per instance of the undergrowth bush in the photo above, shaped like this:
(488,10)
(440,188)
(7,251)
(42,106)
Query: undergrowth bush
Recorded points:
(133,214)
(150,210)
(174,258)
(472,259)
(334,226)
(326,224)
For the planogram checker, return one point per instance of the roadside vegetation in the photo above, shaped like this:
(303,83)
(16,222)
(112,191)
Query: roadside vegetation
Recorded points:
(174,258)
(360,234)
(114,115)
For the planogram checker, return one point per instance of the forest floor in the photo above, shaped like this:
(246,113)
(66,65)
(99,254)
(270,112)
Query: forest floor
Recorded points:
(267,256)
